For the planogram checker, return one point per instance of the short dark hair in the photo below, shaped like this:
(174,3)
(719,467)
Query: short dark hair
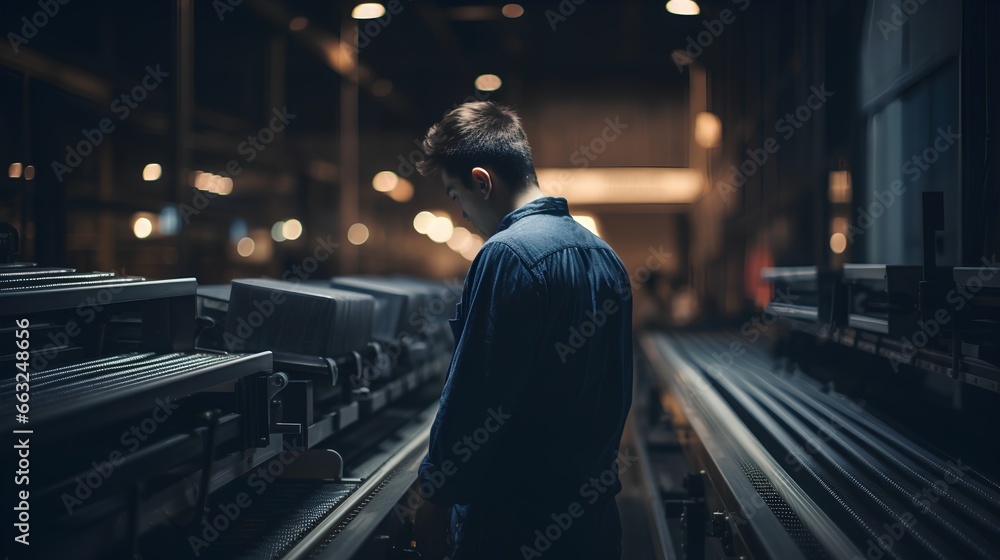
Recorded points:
(475,134)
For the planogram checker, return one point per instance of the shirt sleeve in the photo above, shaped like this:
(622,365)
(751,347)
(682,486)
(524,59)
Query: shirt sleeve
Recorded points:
(493,362)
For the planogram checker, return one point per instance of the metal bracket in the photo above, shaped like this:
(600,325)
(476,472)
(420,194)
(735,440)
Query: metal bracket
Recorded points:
(932,222)
(334,370)
(316,464)
(275,383)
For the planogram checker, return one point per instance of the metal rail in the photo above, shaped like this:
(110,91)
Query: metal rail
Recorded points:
(883,490)
(730,447)
(367,506)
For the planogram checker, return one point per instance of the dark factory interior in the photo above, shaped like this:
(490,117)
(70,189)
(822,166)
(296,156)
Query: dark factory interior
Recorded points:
(648,280)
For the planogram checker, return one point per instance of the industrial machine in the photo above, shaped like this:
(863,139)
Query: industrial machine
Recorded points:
(853,417)
(259,419)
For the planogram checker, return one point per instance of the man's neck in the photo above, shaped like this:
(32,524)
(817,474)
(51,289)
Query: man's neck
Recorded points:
(527,195)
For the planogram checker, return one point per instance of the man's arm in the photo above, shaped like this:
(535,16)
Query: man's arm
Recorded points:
(493,363)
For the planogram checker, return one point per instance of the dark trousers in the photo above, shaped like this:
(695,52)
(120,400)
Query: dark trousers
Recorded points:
(553,535)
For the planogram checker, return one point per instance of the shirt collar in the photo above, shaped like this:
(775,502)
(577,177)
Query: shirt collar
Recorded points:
(545,205)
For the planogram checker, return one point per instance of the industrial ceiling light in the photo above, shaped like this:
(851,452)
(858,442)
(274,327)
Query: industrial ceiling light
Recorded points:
(622,185)
(838,243)
(512,11)
(488,82)
(403,191)
(473,250)
(276,231)
(368,10)
(291,229)
(683,7)
(142,227)
(151,172)
(357,234)
(422,222)
(245,247)
(461,240)
(385,181)
(441,230)
(840,187)
(707,130)
(144,224)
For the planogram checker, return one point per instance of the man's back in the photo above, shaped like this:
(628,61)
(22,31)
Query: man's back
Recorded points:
(543,365)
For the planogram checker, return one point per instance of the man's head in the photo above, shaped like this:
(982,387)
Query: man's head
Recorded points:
(484,159)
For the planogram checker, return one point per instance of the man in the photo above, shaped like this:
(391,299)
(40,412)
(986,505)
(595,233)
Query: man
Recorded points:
(525,446)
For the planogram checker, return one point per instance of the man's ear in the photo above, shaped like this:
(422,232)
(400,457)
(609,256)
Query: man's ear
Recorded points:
(482,182)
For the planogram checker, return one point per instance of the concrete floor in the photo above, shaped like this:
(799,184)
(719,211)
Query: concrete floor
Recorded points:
(633,507)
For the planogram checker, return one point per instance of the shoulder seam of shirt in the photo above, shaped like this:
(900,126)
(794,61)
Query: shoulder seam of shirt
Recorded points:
(521,259)
(531,269)
(561,249)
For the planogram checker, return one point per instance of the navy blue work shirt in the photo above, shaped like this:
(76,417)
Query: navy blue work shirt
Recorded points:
(525,445)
